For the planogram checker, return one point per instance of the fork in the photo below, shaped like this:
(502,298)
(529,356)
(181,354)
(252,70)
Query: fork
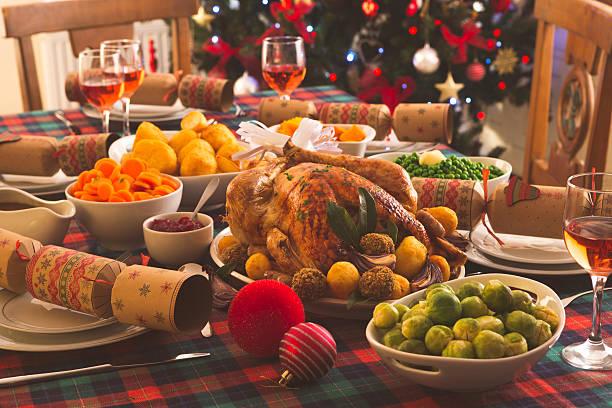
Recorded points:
(59,114)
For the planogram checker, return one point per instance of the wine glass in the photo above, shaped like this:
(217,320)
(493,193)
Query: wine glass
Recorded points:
(588,237)
(101,80)
(130,52)
(283,62)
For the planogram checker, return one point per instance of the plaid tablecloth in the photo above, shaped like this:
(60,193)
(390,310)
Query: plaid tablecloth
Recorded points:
(230,377)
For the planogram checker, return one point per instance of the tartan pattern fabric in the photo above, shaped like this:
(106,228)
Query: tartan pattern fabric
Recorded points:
(230,377)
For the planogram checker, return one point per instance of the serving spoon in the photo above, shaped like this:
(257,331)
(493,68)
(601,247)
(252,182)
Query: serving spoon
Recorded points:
(206,194)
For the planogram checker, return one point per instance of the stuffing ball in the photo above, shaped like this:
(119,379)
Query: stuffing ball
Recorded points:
(235,253)
(309,283)
(377,244)
(377,283)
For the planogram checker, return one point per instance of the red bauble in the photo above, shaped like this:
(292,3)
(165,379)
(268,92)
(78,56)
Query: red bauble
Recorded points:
(370,8)
(261,313)
(499,6)
(475,71)
(307,352)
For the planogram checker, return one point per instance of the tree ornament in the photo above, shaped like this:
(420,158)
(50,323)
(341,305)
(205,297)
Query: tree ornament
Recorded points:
(203,19)
(413,7)
(449,88)
(475,72)
(426,60)
(370,8)
(245,85)
(505,61)
(307,352)
(261,313)
(500,6)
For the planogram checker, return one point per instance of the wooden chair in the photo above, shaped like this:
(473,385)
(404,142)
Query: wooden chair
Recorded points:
(89,22)
(584,110)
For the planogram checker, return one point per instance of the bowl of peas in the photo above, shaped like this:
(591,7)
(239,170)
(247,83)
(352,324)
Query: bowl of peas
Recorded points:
(451,167)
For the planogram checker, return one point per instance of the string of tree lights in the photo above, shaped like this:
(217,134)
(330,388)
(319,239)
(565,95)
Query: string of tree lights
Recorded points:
(468,53)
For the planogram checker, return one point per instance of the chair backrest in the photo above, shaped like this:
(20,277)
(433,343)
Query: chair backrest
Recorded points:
(584,109)
(89,22)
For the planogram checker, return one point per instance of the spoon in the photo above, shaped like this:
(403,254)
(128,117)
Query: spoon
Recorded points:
(208,192)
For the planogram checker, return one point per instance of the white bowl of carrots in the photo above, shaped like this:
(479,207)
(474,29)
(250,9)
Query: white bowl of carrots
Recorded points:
(112,201)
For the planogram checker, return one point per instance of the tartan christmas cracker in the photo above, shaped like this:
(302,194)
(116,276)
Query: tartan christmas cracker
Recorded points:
(79,153)
(15,253)
(376,115)
(422,122)
(273,111)
(162,299)
(73,279)
(206,93)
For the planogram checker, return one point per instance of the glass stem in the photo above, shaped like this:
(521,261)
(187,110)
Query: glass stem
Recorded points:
(106,121)
(599,282)
(285,97)
(126,116)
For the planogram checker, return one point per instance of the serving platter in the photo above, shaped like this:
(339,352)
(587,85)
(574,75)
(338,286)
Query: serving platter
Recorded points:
(328,307)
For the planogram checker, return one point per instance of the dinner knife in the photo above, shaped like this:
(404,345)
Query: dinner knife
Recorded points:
(51,375)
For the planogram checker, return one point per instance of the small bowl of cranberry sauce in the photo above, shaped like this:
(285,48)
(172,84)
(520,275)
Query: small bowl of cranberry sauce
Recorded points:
(174,239)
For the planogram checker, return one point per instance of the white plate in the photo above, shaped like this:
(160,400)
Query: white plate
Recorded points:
(36,184)
(523,249)
(329,307)
(160,117)
(193,186)
(149,111)
(479,258)
(26,314)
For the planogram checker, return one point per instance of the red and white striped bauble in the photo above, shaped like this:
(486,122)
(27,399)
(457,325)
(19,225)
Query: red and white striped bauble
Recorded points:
(307,352)
(475,71)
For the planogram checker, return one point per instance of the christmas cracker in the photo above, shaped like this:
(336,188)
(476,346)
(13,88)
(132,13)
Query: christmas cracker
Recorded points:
(15,253)
(273,111)
(206,93)
(376,115)
(28,155)
(157,89)
(422,122)
(75,280)
(79,153)
(162,299)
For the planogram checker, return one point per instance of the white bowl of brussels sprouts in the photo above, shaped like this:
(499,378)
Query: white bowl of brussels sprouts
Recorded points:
(459,346)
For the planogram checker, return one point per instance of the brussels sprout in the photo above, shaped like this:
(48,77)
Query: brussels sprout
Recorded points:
(473,306)
(522,300)
(466,329)
(497,296)
(444,286)
(385,316)
(491,323)
(515,344)
(459,349)
(519,321)
(541,333)
(393,338)
(401,310)
(489,344)
(415,327)
(437,338)
(418,309)
(443,308)
(413,346)
(470,289)
(548,315)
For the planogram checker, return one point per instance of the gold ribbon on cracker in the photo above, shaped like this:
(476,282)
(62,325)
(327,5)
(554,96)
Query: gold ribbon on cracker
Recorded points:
(73,279)
(376,115)
(423,122)
(162,299)
(15,253)
(273,111)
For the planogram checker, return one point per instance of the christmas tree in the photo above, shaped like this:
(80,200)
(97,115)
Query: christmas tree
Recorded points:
(467,53)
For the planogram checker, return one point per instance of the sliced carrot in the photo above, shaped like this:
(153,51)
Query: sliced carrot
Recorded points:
(142,195)
(124,182)
(105,190)
(90,197)
(116,198)
(168,181)
(78,194)
(90,175)
(133,167)
(126,195)
(140,186)
(152,179)
(163,190)
(91,188)
(115,174)
(106,166)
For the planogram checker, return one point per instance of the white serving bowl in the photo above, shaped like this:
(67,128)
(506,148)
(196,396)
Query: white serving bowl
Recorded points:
(46,221)
(193,186)
(487,161)
(462,374)
(352,148)
(118,226)
(178,248)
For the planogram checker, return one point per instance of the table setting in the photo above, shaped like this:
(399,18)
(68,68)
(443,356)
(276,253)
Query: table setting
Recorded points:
(290,247)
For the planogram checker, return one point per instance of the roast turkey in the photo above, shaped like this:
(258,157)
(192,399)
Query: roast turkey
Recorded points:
(282,205)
